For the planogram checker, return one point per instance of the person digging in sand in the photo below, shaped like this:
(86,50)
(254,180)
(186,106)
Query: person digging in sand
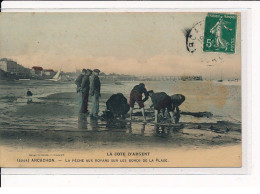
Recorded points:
(161,101)
(136,96)
(177,100)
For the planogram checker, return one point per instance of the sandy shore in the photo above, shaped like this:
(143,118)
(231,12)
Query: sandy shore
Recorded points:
(60,124)
(54,124)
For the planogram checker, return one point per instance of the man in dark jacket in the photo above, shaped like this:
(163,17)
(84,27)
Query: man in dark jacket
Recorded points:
(82,83)
(85,86)
(79,90)
(79,80)
(136,96)
(161,101)
(95,86)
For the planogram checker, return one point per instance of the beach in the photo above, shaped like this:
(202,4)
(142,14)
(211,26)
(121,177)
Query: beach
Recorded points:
(52,123)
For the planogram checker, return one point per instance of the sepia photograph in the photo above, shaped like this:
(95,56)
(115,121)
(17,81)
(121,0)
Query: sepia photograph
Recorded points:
(120,89)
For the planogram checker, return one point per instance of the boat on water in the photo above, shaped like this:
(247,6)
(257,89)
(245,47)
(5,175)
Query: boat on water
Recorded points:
(56,77)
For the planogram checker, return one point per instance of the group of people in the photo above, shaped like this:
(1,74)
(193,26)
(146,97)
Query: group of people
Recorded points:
(88,83)
(160,101)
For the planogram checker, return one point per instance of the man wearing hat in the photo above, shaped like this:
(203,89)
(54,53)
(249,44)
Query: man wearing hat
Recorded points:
(79,90)
(95,92)
(85,86)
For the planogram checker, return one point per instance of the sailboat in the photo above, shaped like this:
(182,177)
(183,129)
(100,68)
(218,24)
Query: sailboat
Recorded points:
(56,77)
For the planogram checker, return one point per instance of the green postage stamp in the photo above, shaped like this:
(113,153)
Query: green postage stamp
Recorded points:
(220,33)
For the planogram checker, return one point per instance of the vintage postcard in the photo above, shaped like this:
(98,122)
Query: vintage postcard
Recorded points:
(120,89)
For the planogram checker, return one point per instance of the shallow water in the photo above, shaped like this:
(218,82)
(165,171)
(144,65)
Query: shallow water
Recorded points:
(223,100)
(55,109)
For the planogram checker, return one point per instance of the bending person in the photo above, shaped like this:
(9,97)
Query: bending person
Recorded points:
(177,100)
(136,96)
(118,105)
(161,101)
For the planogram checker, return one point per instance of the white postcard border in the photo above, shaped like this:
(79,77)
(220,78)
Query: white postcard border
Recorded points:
(246,43)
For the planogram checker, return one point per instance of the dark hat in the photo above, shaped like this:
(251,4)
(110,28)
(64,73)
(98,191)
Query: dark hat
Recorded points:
(84,70)
(89,70)
(96,70)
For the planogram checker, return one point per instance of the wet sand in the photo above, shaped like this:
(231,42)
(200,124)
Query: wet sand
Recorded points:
(116,138)
(71,131)
(53,125)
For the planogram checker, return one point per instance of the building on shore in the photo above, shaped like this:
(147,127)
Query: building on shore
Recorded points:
(39,73)
(10,69)
(49,72)
(37,70)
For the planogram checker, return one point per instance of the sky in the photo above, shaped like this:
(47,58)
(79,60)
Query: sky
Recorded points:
(124,43)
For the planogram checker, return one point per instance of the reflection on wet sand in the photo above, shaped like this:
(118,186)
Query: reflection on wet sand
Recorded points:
(116,125)
(82,121)
(143,129)
(137,129)
(94,126)
(126,126)
(161,130)
(97,133)
(89,133)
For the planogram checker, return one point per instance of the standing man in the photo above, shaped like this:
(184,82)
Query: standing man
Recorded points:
(78,82)
(85,86)
(95,92)
(136,96)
